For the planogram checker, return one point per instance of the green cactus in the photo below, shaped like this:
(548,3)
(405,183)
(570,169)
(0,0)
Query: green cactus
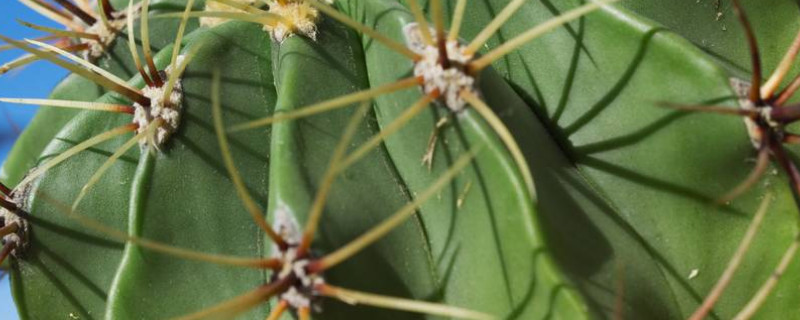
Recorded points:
(533,175)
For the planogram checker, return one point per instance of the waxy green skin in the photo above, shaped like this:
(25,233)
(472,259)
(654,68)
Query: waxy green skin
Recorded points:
(713,26)
(623,188)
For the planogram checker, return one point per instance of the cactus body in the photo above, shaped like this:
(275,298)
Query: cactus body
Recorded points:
(619,218)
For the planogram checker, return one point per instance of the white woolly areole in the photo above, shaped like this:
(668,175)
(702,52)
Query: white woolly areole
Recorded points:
(299,18)
(449,82)
(742,89)
(298,296)
(20,236)
(107,35)
(296,299)
(213,6)
(287,227)
(9,218)
(169,110)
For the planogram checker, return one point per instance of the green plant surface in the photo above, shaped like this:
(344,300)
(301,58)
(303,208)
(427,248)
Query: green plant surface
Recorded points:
(69,263)
(46,124)
(713,26)
(434,257)
(421,272)
(187,186)
(635,185)
(496,216)
(368,192)
(623,211)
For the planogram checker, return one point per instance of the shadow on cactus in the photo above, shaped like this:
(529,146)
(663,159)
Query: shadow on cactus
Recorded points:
(645,180)
(766,115)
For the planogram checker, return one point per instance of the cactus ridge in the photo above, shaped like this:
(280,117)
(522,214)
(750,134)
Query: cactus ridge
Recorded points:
(766,116)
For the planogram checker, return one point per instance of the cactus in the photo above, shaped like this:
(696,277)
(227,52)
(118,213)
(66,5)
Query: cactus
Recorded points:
(394,159)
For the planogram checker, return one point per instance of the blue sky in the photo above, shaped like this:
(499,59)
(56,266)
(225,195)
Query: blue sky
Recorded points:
(33,81)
